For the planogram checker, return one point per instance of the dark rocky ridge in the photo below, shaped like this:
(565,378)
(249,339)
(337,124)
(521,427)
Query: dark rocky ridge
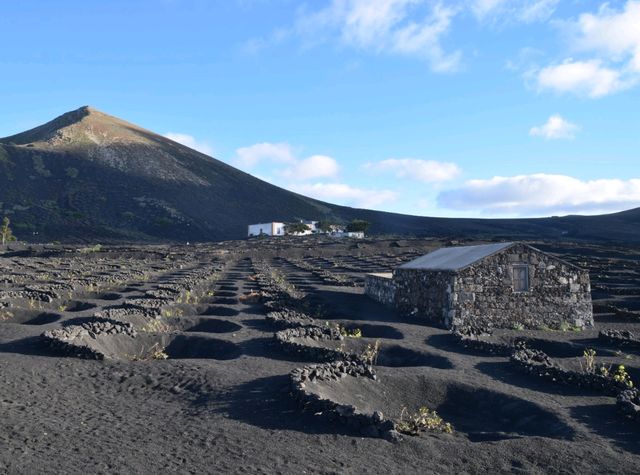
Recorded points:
(87,176)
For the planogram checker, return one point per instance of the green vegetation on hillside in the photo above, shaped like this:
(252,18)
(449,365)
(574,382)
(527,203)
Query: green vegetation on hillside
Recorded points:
(358,226)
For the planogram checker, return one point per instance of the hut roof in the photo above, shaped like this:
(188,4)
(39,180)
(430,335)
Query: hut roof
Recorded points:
(455,258)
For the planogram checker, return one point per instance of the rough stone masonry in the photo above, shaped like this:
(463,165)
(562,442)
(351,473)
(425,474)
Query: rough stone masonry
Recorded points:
(505,285)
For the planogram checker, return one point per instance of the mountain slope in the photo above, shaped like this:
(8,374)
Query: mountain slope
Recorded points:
(87,176)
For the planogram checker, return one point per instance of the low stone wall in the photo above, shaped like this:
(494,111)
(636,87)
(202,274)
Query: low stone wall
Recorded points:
(381,287)
(628,404)
(119,313)
(424,295)
(622,338)
(145,303)
(539,364)
(67,340)
(479,342)
(369,425)
(40,295)
(286,340)
(288,318)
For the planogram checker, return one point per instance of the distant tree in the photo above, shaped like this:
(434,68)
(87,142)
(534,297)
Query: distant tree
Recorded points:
(5,231)
(295,228)
(358,226)
(327,226)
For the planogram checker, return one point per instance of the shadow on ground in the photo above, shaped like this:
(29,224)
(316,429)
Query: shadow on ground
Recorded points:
(32,345)
(603,420)
(504,372)
(266,403)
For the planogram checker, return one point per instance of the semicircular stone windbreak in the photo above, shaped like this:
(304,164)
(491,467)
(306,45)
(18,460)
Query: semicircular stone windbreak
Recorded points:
(289,318)
(537,363)
(620,338)
(561,349)
(98,338)
(315,343)
(25,316)
(628,404)
(370,405)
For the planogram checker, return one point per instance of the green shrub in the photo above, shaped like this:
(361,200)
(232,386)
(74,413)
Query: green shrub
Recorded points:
(40,168)
(71,172)
(5,231)
(424,419)
(294,228)
(621,376)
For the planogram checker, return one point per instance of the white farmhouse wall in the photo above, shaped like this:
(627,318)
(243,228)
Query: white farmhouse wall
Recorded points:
(268,229)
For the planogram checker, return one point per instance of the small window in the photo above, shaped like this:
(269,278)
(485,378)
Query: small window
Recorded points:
(521,278)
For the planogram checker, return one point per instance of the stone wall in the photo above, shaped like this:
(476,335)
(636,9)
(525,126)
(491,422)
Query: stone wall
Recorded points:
(628,403)
(291,341)
(538,363)
(621,338)
(368,424)
(423,295)
(76,340)
(559,294)
(380,287)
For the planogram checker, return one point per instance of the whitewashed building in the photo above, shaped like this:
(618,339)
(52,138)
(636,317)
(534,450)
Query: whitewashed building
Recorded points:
(266,229)
(312,228)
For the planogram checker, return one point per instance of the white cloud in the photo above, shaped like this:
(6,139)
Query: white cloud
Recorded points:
(484,8)
(316,166)
(539,194)
(527,11)
(537,10)
(406,27)
(613,33)
(555,127)
(612,39)
(284,162)
(586,78)
(249,157)
(295,174)
(191,142)
(346,195)
(428,171)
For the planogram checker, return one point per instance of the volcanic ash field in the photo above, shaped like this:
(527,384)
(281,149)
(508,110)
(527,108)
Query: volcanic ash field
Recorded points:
(265,356)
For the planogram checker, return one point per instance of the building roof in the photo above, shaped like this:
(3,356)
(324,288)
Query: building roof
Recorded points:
(455,258)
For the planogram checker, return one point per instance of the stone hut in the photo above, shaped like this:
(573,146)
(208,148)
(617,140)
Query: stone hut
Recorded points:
(505,285)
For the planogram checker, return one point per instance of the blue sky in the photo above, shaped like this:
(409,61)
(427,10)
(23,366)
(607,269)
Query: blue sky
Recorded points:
(489,108)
